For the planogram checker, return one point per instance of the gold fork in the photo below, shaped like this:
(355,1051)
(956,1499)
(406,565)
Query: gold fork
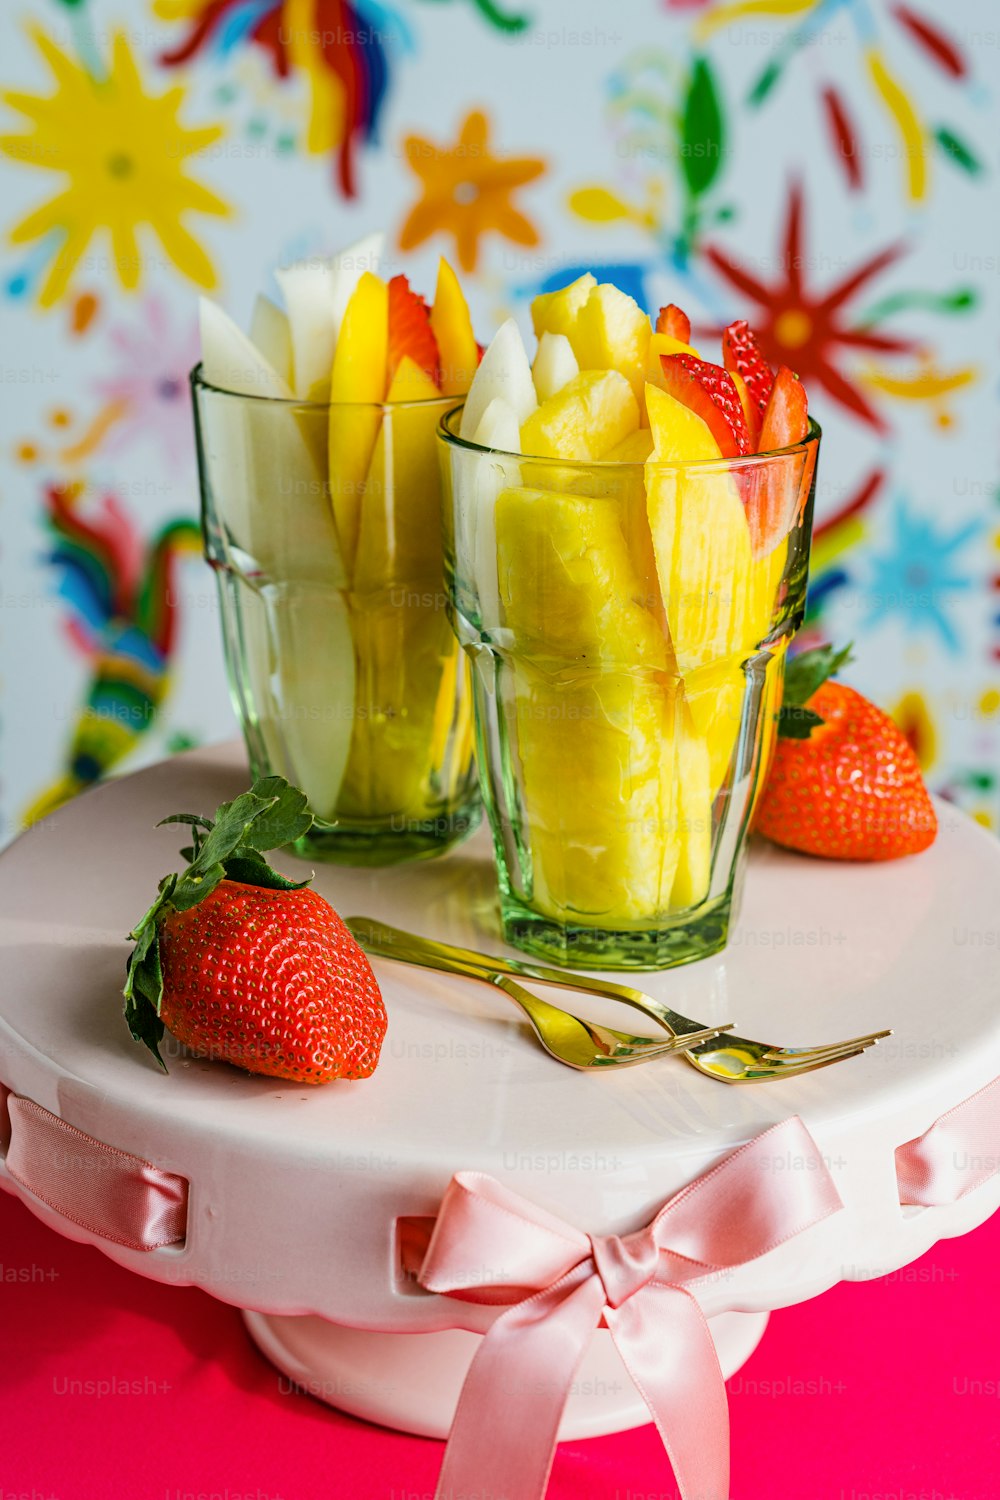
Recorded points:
(570,1039)
(730,1059)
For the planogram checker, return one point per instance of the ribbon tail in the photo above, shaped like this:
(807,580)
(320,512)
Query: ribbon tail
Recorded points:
(670,1354)
(504,1434)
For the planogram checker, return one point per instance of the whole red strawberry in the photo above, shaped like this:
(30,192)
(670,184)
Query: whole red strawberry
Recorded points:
(247,967)
(844,782)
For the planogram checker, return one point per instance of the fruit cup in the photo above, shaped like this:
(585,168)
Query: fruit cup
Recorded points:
(626,620)
(322,521)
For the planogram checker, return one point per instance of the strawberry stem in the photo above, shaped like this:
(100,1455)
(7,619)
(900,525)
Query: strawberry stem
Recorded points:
(805,674)
(227,847)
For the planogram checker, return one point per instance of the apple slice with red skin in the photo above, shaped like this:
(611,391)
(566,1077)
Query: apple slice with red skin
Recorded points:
(708,390)
(673,321)
(773,505)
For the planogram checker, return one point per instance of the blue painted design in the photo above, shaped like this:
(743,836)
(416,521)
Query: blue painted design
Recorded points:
(916,580)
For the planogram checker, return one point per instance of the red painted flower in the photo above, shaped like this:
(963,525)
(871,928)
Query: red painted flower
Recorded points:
(806,330)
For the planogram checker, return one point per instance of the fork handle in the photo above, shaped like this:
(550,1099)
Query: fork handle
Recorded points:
(383,938)
(401,949)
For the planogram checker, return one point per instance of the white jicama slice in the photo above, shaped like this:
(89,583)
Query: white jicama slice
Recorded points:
(497,429)
(316,292)
(348,268)
(271,334)
(269,457)
(233,362)
(305,698)
(265,463)
(555,365)
(504,373)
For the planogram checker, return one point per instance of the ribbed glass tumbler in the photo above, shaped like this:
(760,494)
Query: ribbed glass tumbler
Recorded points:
(323,525)
(627,627)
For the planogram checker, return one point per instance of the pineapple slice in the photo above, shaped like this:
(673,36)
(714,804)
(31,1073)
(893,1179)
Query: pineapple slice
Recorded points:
(555,365)
(635,449)
(591,414)
(557,312)
(612,333)
(692,831)
(587,670)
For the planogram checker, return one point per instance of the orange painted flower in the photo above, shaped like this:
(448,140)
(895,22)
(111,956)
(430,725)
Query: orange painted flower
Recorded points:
(466,192)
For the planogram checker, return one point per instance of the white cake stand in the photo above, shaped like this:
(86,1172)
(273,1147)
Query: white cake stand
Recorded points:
(296,1193)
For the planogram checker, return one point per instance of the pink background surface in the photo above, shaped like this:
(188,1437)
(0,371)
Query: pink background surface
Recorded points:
(886,1390)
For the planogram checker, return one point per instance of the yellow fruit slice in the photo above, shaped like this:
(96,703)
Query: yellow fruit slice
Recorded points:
(411,383)
(679,434)
(693,812)
(408,670)
(700,538)
(590,415)
(358,376)
(770,707)
(715,693)
(399,533)
(557,312)
(592,707)
(662,343)
(612,333)
(570,582)
(451,325)
(635,449)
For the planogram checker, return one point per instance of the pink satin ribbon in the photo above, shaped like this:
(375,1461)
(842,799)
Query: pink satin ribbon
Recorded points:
(109,1192)
(489,1244)
(958,1153)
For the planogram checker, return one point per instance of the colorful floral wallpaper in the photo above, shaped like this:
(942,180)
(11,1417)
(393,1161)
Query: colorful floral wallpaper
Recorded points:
(826,168)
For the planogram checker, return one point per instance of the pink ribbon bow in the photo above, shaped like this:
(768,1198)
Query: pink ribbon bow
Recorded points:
(958,1153)
(489,1244)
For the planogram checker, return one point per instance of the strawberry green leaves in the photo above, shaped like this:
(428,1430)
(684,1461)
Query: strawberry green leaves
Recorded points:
(804,674)
(227,847)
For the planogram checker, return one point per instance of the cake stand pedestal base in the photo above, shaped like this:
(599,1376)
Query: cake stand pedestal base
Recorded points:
(411,1381)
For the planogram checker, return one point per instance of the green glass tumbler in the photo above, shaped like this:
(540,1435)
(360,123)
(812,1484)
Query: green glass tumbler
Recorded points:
(627,627)
(323,526)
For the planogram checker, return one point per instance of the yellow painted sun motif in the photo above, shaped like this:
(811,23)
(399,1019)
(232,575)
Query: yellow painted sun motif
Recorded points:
(122,152)
(467,192)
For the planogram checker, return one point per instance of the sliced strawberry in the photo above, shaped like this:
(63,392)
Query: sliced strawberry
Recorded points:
(674,322)
(410,331)
(709,392)
(775,491)
(742,353)
(786,416)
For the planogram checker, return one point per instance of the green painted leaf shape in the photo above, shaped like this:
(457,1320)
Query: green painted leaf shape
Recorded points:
(702,130)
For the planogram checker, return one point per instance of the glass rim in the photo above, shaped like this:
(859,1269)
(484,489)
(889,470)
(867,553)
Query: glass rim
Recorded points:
(198,382)
(450,438)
